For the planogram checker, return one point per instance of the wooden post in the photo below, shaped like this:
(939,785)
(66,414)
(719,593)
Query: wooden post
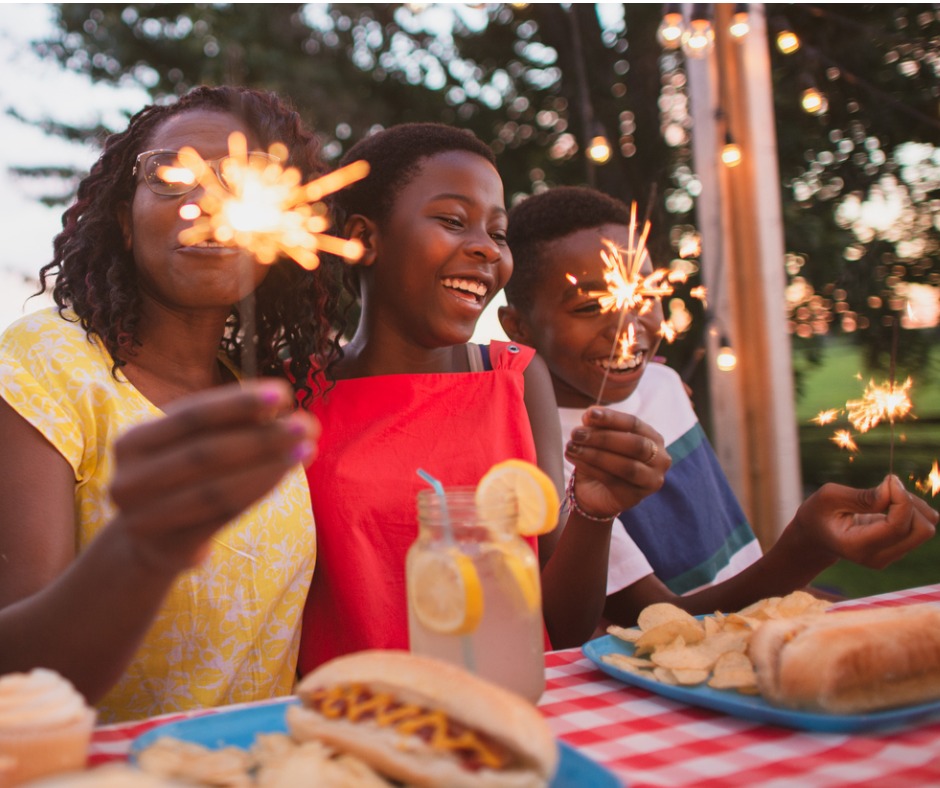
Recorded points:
(740,219)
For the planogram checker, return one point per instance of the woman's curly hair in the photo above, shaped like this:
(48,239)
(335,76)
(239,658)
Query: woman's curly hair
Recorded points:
(95,275)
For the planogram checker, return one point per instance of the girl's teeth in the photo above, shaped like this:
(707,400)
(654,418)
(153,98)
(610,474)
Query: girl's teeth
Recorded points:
(467,286)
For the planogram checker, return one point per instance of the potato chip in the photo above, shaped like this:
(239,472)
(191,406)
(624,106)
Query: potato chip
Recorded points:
(733,670)
(796,604)
(625,663)
(691,631)
(660,613)
(622,633)
(664,675)
(724,641)
(712,625)
(747,622)
(637,662)
(759,608)
(682,658)
(690,677)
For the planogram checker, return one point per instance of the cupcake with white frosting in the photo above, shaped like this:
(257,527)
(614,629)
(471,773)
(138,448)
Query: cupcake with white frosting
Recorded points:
(45,725)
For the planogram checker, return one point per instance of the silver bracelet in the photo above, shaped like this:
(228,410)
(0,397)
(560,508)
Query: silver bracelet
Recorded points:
(575,507)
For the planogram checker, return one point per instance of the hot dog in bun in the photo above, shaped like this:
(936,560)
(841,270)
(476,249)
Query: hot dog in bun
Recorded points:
(424,722)
(850,662)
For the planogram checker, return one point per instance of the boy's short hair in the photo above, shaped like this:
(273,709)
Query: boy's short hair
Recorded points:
(546,217)
(394,156)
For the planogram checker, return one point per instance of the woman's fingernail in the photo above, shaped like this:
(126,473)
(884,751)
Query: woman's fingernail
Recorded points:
(579,435)
(297,428)
(303,451)
(269,394)
(597,413)
(572,448)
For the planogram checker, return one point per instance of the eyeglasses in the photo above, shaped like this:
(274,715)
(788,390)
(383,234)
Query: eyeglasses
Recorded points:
(164,174)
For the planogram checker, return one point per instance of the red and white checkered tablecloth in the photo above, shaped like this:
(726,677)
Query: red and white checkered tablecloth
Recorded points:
(648,740)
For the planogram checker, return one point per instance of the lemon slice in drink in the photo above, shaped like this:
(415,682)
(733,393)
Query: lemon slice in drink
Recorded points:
(535,495)
(521,573)
(445,592)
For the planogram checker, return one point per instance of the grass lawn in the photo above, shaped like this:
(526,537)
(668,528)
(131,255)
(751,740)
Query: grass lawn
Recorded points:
(916,445)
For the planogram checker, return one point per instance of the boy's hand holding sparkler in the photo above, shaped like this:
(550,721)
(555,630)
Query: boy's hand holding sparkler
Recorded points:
(873,527)
(618,461)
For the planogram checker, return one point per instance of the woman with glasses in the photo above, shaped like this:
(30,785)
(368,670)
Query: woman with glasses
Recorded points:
(125,452)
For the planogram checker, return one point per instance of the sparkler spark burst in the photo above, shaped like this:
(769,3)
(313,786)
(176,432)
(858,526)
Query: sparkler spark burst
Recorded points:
(885,402)
(826,416)
(629,290)
(932,483)
(264,208)
(844,440)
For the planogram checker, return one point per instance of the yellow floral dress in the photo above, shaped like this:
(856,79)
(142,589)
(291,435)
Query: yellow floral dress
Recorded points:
(229,630)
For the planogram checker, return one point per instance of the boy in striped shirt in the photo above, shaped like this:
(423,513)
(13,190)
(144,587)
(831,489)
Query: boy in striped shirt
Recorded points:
(690,542)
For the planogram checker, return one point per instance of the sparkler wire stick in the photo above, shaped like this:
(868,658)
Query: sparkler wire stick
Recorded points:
(246,309)
(894,354)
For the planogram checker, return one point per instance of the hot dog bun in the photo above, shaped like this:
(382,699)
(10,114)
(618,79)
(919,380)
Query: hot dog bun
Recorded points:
(405,703)
(850,662)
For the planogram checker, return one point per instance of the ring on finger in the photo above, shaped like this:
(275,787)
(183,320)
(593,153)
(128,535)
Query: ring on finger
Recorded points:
(653,453)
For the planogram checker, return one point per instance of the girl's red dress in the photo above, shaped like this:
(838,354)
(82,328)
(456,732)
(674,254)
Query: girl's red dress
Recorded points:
(377,432)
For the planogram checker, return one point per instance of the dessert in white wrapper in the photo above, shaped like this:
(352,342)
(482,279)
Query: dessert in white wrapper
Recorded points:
(45,725)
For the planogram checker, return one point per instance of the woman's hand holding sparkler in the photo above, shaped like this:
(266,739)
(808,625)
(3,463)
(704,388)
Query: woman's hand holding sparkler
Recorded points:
(619,460)
(873,527)
(179,479)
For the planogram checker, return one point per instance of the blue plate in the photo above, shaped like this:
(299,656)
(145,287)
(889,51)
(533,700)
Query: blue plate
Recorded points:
(754,707)
(238,727)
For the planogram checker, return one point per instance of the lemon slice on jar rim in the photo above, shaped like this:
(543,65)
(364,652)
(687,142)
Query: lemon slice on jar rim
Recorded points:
(445,592)
(536,498)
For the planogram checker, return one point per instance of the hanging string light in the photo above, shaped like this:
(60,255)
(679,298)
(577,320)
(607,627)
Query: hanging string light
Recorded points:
(727,359)
(731,154)
(740,25)
(698,39)
(598,149)
(787,42)
(671,28)
(814,101)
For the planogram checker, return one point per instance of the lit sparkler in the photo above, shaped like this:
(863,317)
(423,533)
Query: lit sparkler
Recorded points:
(878,403)
(932,483)
(629,290)
(885,402)
(264,209)
(261,207)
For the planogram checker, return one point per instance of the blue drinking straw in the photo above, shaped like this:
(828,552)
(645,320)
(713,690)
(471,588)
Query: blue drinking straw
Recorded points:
(465,644)
(445,514)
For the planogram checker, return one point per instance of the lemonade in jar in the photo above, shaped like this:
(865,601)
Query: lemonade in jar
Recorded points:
(474,588)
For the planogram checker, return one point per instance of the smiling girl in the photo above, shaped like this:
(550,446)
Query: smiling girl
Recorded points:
(409,392)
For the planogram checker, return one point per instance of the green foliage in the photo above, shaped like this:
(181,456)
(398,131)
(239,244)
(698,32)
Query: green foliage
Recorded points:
(538,80)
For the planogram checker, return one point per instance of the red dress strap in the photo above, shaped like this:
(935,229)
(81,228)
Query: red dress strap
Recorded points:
(510,355)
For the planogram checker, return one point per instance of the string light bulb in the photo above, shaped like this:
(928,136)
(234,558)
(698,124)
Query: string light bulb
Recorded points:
(727,360)
(813,101)
(740,25)
(731,154)
(598,149)
(698,39)
(787,42)
(669,33)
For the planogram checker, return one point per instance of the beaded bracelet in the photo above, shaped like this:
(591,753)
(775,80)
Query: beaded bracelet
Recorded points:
(575,507)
